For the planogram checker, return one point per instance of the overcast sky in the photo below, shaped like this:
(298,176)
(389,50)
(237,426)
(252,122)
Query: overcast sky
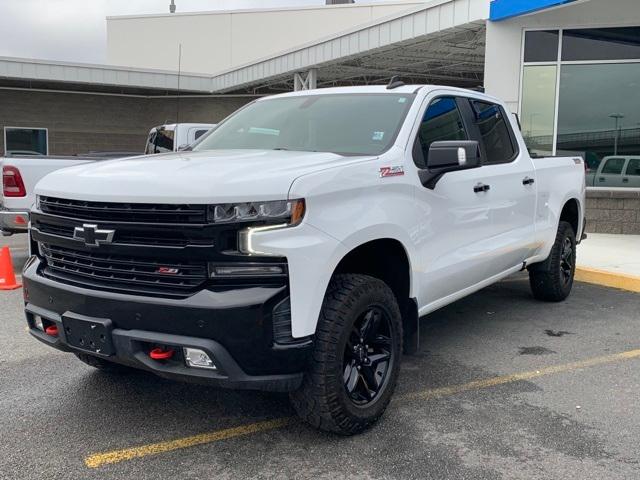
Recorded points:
(75,30)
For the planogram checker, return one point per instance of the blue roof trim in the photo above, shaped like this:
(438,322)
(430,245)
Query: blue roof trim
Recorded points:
(503,9)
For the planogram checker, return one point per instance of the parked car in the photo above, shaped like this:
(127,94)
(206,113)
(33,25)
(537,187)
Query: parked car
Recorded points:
(20,173)
(296,246)
(616,171)
(175,136)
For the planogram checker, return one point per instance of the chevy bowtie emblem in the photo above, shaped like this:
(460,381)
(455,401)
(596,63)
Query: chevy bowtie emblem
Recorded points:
(92,236)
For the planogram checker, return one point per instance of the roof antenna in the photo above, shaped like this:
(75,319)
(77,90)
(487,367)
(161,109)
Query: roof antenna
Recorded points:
(395,82)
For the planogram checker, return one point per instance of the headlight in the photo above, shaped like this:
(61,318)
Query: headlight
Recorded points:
(287,212)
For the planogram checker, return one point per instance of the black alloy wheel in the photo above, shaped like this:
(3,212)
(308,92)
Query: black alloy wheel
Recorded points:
(368,356)
(567,262)
(355,363)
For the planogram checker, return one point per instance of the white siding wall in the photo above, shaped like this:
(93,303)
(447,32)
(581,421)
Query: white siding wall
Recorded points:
(217,41)
(504,39)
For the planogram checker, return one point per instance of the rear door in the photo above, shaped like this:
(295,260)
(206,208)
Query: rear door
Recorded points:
(610,173)
(511,176)
(631,177)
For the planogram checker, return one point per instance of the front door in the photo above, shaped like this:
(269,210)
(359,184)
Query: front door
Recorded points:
(453,230)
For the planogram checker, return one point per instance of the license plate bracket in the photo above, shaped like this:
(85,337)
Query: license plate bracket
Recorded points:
(88,333)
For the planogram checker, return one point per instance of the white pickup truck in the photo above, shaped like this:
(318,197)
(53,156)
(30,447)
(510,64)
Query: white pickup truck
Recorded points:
(175,136)
(20,173)
(295,247)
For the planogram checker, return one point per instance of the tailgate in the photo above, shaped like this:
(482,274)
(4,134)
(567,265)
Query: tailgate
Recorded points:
(32,169)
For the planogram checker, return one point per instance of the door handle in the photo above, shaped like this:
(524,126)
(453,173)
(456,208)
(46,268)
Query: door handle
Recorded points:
(625,180)
(528,181)
(481,187)
(602,179)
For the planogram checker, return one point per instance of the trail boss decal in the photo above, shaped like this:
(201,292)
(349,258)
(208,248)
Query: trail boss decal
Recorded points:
(391,171)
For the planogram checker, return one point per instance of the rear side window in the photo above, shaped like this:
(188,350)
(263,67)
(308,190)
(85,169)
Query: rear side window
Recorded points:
(613,166)
(199,133)
(633,168)
(499,145)
(442,121)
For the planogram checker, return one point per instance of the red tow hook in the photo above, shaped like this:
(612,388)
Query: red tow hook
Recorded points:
(51,330)
(161,354)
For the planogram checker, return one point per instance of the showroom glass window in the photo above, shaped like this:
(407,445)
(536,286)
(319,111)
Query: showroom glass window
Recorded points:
(585,99)
(25,141)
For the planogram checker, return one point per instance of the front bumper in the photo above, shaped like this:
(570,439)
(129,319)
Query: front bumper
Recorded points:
(13,222)
(233,327)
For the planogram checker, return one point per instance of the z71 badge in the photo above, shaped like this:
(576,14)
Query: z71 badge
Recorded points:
(391,171)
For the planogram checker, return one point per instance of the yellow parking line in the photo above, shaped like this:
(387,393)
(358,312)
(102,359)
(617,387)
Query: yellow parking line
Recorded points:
(608,279)
(516,377)
(116,456)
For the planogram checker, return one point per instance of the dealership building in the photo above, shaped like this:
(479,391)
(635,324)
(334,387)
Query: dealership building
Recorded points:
(570,70)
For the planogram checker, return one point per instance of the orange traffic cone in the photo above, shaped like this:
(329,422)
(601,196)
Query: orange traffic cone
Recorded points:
(7,277)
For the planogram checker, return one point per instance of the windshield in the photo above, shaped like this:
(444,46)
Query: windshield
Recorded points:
(347,124)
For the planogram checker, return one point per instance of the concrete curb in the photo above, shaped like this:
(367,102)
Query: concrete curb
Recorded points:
(622,281)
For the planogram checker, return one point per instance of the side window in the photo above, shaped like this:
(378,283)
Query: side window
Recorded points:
(163,141)
(633,168)
(199,133)
(499,146)
(442,121)
(613,166)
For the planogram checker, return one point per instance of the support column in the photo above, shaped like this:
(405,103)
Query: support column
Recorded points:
(305,80)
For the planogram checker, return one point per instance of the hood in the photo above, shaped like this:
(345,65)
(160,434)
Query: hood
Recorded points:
(189,177)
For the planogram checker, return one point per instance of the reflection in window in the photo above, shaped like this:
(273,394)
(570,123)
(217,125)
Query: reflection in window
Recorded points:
(496,137)
(538,107)
(442,121)
(599,112)
(541,46)
(601,44)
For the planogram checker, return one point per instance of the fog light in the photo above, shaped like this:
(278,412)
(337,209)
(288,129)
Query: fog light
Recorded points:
(37,322)
(197,358)
(239,270)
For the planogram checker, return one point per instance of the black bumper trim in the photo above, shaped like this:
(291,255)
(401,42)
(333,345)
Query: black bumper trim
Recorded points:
(132,350)
(235,325)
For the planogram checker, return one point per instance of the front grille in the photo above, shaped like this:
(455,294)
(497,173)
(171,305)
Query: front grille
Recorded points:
(125,212)
(166,238)
(122,273)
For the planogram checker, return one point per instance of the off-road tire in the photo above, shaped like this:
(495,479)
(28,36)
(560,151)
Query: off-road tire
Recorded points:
(322,400)
(101,364)
(546,278)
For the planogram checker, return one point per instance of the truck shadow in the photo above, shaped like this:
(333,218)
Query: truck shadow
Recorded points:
(141,399)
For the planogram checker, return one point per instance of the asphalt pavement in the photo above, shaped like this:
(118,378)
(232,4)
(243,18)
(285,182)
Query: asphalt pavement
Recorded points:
(504,387)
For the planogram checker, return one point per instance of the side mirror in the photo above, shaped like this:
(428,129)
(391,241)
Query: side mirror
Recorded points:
(449,156)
